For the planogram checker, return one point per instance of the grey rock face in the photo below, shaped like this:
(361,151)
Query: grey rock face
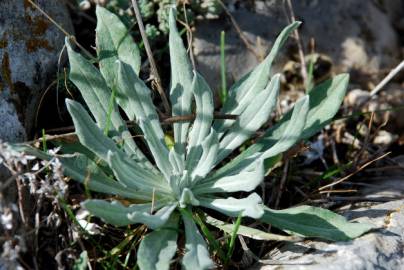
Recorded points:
(381,249)
(357,34)
(29,51)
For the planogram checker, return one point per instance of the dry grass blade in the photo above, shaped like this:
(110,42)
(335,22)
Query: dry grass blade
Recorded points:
(355,172)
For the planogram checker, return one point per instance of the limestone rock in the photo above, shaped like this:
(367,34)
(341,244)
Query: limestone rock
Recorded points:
(356,34)
(29,51)
(380,249)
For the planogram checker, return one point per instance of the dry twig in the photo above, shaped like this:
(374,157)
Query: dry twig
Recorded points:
(282,183)
(303,67)
(243,38)
(355,172)
(67,34)
(149,53)
(387,79)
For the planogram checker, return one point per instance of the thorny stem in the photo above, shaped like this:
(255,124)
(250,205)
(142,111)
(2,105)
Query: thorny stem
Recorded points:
(149,53)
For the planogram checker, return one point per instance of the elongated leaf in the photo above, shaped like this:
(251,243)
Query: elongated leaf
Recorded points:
(97,95)
(188,198)
(243,181)
(87,172)
(290,136)
(135,177)
(114,42)
(181,83)
(176,160)
(325,100)
(117,214)
(293,131)
(203,121)
(315,222)
(254,116)
(158,247)
(248,231)
(93,88)
(88,133)
(134,97)
(93,138)
(84,170)
(243,92)
(210,146)
(157,147)
(250,206)
(196,253)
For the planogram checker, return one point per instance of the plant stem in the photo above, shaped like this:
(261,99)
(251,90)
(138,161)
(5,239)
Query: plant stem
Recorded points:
(223,92)
(233,239)
(149,53)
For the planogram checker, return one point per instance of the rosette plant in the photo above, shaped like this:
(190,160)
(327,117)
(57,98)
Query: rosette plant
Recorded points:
(167,185)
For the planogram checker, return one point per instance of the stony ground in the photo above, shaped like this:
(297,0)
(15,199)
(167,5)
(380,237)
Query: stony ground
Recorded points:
(361,149)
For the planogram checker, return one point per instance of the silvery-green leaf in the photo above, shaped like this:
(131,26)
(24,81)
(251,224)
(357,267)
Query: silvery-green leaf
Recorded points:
(293,131)
(181,83)
(196,253)
(131,149)
(291,134)
(248,231)
(97,96)
(187,198)
(325,100)
(117,214)
(175,185)
(134,98)
(88,132)
(133,176)
(251,119)
(158,247)
(176,160)
(157,147)
(156,220)
(243,92)
(210,146)
(93,88)
(315,222)
(203,121)
(84,170)
(29,150)
(250,206)
(93,138)
(243,181)
(87,172)
(204,111)
(113,42)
